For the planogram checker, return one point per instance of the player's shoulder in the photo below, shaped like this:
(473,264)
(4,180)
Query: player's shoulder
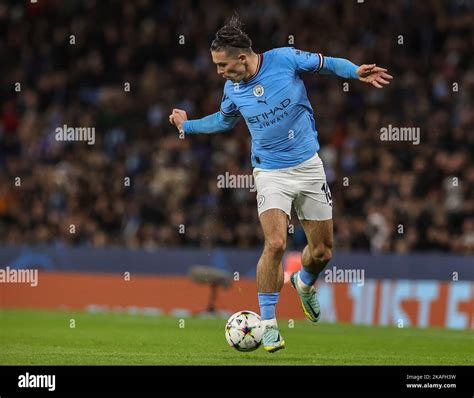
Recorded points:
(289,52)
(281,56)
(280,52)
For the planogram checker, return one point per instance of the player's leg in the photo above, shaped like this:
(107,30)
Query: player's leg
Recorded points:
(318,252)
(269,269)
(314,208)
(315,257)
(275,194)
(270,274)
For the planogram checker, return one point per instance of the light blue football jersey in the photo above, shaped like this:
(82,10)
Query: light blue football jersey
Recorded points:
(275,106)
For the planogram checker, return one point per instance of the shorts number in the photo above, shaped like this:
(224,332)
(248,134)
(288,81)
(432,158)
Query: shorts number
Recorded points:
(327,192)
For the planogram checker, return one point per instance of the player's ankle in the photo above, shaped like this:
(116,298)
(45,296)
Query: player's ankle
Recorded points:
(303,287)
(269,322)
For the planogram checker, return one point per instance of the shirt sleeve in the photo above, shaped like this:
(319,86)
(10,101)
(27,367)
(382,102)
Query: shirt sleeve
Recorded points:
(214,123)
(340,67)
(305,61)
(228,108)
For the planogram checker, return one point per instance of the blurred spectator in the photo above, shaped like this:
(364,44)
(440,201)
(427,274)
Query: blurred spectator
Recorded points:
(122,66)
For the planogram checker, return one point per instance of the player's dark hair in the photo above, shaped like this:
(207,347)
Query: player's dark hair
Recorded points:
(231,37)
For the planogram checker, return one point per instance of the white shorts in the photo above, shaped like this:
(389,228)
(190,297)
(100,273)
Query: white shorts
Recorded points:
(303,185)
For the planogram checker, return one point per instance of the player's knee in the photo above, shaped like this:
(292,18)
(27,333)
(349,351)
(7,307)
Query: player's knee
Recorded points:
(275,245)
(321,254)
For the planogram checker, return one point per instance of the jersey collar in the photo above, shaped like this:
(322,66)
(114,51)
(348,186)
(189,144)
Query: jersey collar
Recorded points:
(259,66)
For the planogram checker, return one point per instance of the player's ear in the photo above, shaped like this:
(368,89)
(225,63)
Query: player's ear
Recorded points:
(243,58)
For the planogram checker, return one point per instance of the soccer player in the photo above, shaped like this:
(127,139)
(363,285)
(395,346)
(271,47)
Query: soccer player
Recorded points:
(267,91)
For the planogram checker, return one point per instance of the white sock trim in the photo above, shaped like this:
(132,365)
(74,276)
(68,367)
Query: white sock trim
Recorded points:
(269,322)
(301,285)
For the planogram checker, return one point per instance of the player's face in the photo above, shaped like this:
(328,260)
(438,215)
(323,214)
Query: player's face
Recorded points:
(231,67)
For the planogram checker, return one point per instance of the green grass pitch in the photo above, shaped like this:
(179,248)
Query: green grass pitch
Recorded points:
(46,338)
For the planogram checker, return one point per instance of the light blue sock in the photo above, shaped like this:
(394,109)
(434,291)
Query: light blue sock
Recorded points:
(307,277)
(267,303)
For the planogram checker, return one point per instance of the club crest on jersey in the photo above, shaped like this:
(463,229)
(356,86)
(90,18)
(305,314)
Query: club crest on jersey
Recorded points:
(258,90)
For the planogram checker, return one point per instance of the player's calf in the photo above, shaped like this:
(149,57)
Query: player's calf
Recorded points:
(315,258)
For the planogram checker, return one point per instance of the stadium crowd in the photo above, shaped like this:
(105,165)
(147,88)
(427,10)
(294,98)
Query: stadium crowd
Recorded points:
(121,67)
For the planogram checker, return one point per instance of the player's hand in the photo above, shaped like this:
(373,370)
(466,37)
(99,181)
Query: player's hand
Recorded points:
(374,75)
(177,117)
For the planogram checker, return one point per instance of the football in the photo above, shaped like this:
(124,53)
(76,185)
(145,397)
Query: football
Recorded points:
(244,331)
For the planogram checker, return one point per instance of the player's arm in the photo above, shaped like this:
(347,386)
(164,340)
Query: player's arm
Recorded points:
(305,61)
(344,68)
(215,123)
(337,66)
